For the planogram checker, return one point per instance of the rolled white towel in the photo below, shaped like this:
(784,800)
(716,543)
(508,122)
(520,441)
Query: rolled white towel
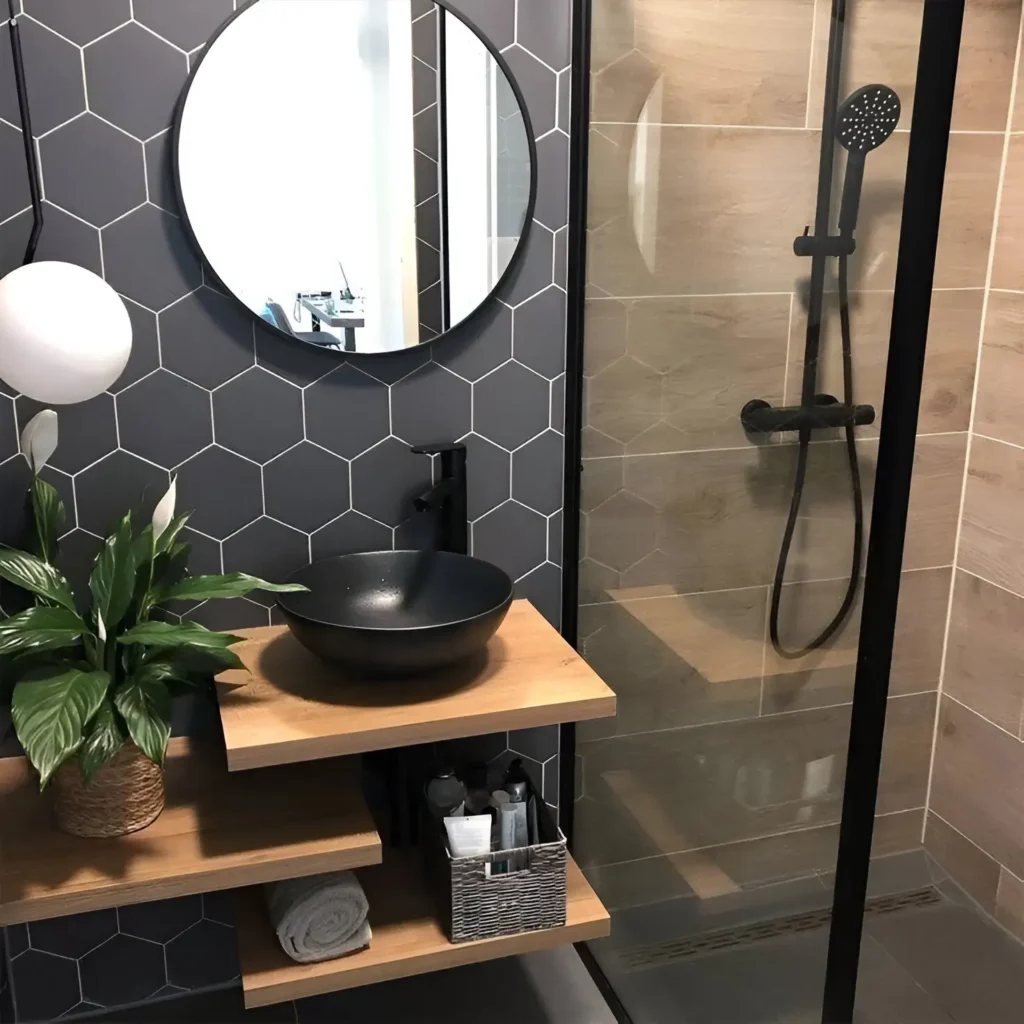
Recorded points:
(319,917)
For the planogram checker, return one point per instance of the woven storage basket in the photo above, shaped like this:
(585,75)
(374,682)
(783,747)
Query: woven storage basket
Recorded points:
(126,794)
(476,903)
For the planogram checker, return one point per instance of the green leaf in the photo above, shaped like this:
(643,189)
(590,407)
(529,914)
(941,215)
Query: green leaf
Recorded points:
(205,662)
(235,584)
(145,704)
(50,715)
(113,579)
(33,574)
(40,629)
(166,539)
(167,634)
(104,737)
(48,512)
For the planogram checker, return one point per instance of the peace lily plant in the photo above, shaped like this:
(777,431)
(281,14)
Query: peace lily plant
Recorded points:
(88,683)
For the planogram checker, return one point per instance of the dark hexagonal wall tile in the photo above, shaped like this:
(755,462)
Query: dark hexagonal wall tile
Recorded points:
(206,338)
(430,405)
(473,353)
(202,956)
(77,21)
(73,936)
(294,360)
(257,415)
(205,557)
(540,743)
(145,356)
(186,23)
(513,537)
(76,557)
(86,430)
(537,473)
(228,614)
(119,482)
(56,96)
(93,170)
(391,367)
(135,80)
(267,549)
(553,180)
(543,588)
(386,479)
(8,433)
(538,85)
(511,405)
(64,238)
(561,258)
(533,272)
(538,332)
(496,19)
(488,472)
(219,906)
(123,970)
(545,30)
(346,411)
(17,938)
(162,920)
(146,432)
(47,985)
(349,533)
(15,481)
(15,195)
(555,538)
(225,490)
(306,487)
(558,404)
(147,258)
(159,177)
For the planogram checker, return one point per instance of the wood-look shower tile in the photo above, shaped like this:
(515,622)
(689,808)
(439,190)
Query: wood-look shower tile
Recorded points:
(949,364)
(714,354)
(676,660)
(1010,903)
(992,531)
(825,676)
(968,865)
(1000,411)
(934,500)
(729,204)
(1008,261)
(985,651)
(729,62)
(978,783)
(682,789)
(883,42)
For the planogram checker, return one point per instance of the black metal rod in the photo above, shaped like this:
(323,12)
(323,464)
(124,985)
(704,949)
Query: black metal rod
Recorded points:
(442,165)
(35,181)
(915,271)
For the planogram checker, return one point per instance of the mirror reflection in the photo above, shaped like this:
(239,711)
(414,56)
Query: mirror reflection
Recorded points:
(357,172)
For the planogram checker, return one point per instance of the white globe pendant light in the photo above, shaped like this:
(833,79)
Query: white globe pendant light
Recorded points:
(65,334)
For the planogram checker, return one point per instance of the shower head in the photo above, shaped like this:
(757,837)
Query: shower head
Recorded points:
(867,118)
(863,123)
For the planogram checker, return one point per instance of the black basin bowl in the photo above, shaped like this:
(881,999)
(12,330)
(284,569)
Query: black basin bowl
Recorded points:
(397,612)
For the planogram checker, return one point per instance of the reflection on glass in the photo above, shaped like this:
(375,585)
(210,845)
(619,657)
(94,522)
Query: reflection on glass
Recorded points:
(356,172)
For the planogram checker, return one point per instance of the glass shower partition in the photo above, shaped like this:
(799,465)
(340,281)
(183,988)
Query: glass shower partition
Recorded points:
(745,183)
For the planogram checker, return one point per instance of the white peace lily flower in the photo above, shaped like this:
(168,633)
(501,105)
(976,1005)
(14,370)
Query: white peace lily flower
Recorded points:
(39,439)
(164,511)
(101,629)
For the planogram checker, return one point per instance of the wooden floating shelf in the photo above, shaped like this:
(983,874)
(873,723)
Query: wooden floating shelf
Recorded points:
(218,831)
(407,937)
(287,705)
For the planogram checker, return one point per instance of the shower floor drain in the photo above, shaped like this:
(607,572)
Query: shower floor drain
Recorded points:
(745,935)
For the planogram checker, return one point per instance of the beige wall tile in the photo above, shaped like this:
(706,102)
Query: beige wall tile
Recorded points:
(1001,373)
(883,43)
(953,331)
(1010,903)
(621,531)
(1008,262)
(604,340)
(726,782)
(677,660)
(992,537)
(623,400)
(968,865)
(985,652)
(978,783)
(935,500)
(826,675)
(728,62)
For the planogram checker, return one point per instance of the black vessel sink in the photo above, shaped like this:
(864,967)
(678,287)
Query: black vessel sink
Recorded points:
(397,612)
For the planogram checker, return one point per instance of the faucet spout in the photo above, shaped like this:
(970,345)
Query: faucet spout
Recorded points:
(434,498)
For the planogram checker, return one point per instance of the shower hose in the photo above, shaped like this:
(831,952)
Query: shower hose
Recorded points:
(803,454)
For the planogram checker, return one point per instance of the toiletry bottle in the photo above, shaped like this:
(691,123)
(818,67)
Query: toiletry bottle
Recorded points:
(478,799)
(445,793)
(517,782)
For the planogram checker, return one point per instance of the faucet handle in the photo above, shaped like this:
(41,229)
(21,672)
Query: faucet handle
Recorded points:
(438,449)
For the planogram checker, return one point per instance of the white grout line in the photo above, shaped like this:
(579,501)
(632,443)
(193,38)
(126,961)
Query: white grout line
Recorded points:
(978,714)
(810,64)
(997,440)
(974,405)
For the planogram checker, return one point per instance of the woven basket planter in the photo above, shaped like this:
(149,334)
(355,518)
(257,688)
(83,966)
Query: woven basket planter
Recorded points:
(126,794)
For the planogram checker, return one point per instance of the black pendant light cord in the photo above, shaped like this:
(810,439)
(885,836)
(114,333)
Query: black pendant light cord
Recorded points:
(31,160)
(803,454)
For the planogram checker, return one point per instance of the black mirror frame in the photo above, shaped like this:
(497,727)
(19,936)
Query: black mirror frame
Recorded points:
(513,263)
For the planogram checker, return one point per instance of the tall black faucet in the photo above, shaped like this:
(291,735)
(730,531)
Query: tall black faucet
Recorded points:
(448,497)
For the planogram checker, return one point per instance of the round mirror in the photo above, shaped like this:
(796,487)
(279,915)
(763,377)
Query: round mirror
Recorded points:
(358,173)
